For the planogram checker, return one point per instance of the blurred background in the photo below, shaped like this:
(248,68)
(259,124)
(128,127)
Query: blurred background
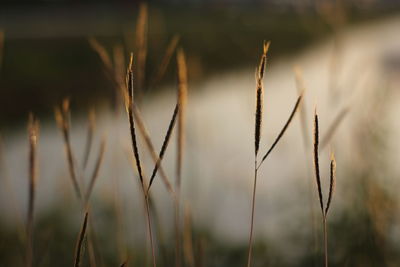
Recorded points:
(344,53)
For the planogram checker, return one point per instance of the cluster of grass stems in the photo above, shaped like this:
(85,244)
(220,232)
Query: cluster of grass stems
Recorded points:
(129,90)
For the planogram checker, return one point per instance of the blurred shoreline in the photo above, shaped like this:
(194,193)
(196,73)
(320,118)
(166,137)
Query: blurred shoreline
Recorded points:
(47,57)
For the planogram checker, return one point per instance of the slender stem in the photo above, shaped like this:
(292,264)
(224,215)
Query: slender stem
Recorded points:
(325,241)
(33,135)
(177,230)
(253,204)
(29,230)
(146,197)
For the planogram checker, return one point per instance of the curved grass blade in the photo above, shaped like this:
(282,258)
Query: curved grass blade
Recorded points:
(282,132)
(165,144)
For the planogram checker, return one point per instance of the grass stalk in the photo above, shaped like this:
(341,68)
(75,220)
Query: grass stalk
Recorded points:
(62,118)
(325,242)
(332,184)
(159,232)
(80,242)
(89,137)
(149,228)
(257,139)
(166,60)
(129,106)
(141,45)
(253,206)
(96,170)
(188,239)
(182,98)
(115,77)
(33,128)
(334,126)
(301,88)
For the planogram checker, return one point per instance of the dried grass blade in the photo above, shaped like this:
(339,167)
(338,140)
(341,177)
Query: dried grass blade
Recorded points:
(282,132)
(165,144)
(96,170)
(102,52)
(334,126)
(114,73)
(119,72)
(182,99)
(141,45)
(89,137)
(166,59)
(303,112)
(119,64)
(80,241)
(62,118)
